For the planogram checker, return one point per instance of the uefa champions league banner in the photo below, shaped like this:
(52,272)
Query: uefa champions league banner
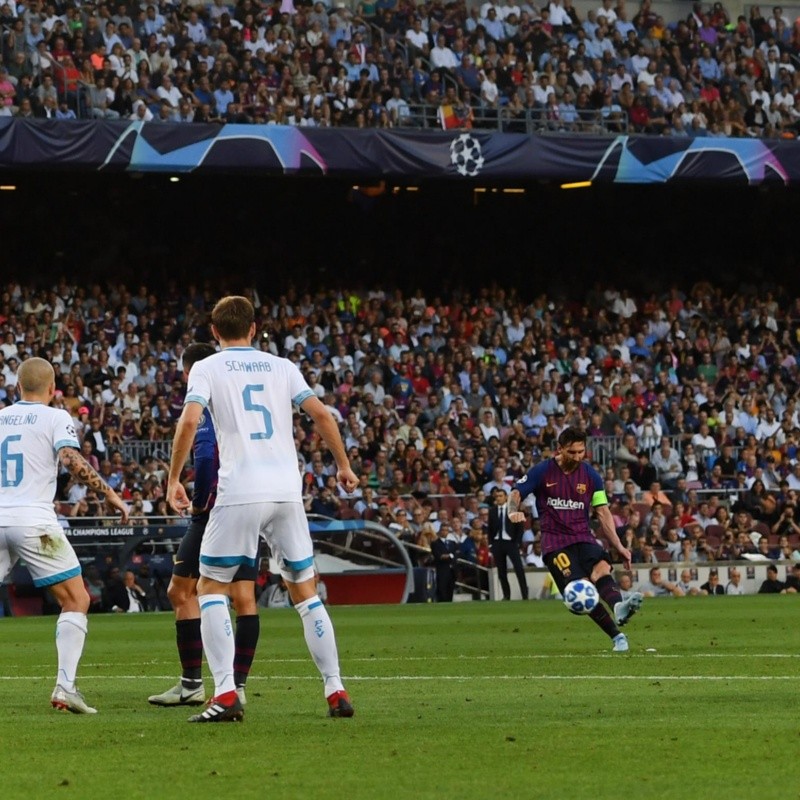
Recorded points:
(112,533)
(400,155)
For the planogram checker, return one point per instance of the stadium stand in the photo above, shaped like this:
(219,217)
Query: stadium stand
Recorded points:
(518,67)
(442,397)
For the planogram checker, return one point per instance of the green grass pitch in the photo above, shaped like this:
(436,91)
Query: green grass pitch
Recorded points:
(470,700)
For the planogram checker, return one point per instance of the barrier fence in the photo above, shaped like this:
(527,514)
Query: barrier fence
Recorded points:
(601,450)
(362,561)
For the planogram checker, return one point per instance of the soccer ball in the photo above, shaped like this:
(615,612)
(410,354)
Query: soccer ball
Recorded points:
(466,155)
(580,596)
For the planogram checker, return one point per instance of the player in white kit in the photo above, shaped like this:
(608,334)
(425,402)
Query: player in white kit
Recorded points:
(34,439)
(251,396)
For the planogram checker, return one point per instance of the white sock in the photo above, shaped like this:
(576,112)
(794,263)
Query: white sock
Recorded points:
(218,643)
(71,628)
(321,642)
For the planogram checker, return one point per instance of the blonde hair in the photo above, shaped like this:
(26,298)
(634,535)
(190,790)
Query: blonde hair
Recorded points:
(35,375)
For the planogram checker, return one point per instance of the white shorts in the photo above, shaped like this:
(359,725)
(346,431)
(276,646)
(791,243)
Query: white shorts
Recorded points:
(44,548)
(232,536)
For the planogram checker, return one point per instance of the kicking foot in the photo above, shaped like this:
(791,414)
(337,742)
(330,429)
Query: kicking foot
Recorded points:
(624,610)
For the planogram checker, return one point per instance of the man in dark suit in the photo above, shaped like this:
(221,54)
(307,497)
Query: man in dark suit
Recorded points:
(445,552)
(504,539)
(712,586)
(126,596)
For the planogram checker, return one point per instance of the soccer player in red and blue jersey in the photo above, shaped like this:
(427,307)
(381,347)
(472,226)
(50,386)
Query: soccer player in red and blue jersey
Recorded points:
(567,488)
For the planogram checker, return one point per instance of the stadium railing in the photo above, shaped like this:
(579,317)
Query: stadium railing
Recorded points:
(601,451)
(140,449)
(530,121)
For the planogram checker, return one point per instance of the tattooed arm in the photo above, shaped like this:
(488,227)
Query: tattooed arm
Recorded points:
(81,471)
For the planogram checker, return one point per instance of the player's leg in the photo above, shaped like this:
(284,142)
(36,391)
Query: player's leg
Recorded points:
(7,559)
(71,629)
(52,563)
(248,626)
(230,540)
(566,565)
(607,587)
(558,568)
(182,593)
(499,555)
(600,575)
(320,638)
(217,637)
(597,562)
(290,541)
(609,591)
(189,691)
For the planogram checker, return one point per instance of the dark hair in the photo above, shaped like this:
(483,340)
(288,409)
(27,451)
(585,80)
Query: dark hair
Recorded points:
(195,352)
(570,436)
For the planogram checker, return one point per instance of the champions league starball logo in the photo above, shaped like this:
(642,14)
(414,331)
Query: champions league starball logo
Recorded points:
(466,155)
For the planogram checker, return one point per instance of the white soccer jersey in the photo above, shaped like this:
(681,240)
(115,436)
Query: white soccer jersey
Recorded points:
(31,434)
(250,395)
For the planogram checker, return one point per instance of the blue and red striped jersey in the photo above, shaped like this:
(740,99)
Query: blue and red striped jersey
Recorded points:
(564,501)
(206,464)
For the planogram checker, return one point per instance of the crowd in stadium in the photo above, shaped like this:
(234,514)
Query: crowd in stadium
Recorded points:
(690,400)
(707,74)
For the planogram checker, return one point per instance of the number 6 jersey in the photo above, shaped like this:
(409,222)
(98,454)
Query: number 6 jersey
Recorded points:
(31,434)
(250,395)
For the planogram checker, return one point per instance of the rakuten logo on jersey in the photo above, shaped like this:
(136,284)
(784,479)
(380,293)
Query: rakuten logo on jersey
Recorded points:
(560,504)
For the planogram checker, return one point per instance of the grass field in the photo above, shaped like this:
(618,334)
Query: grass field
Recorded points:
(472,700)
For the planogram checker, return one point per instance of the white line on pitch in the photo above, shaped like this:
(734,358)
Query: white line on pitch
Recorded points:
(85,678)
(530,657)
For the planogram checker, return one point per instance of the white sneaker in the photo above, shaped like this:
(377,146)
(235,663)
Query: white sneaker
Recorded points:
(620,643)
(179,696)
(241,695)
(625,609)
(62,700)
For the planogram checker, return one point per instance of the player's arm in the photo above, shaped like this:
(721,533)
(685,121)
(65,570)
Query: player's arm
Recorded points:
(181,445)
(328,429)
(522,488)
(609,531)
(80,469)
(514,500)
